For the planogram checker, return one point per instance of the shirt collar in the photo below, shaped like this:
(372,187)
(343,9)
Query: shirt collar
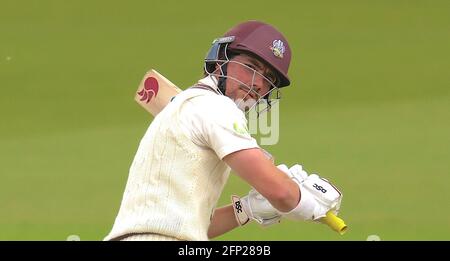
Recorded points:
(210,81)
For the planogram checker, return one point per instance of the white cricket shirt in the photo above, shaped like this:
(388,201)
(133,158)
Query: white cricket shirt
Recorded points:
(177,175)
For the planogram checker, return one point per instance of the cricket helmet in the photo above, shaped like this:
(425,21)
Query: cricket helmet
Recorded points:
(257,38)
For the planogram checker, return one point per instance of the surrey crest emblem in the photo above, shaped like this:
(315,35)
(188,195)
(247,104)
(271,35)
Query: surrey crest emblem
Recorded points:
(278,48)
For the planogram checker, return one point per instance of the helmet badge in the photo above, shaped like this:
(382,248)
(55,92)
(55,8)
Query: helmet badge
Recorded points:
(277,48)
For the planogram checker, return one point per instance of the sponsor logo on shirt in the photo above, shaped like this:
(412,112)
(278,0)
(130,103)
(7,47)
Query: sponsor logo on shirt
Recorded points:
(240,128)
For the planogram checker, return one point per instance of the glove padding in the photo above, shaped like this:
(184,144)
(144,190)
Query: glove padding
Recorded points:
(255,207)
(318,195)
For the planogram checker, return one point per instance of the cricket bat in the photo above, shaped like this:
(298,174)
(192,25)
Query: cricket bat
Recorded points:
(156,91)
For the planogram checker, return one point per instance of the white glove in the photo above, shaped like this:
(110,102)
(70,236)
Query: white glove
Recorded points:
(296,172)
(254,207)
(318,195)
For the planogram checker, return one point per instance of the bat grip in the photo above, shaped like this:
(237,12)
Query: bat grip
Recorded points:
(334,222)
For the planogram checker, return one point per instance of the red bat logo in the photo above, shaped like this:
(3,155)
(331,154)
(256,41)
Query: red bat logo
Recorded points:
(150,90)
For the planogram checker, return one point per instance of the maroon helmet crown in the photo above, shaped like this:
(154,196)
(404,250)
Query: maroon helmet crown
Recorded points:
(265,42)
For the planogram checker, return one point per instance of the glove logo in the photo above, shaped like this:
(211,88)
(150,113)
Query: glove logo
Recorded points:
(238,206)
(241,217)
(319,188)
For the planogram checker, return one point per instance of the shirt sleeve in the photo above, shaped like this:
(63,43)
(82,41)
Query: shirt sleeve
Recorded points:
(215,122)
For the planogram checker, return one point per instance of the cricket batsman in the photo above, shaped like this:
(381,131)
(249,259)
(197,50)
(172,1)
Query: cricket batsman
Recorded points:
(185,157)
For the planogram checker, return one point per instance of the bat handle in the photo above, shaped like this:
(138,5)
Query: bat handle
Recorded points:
(334,223)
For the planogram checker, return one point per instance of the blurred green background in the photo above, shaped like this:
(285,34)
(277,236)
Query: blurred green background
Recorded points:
(369,108)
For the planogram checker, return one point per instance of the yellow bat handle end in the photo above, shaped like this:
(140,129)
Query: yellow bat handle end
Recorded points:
(334,223)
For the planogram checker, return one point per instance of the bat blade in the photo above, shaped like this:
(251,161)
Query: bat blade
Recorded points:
(155,91)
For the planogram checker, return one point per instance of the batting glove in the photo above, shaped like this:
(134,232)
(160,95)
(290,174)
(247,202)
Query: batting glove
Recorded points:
(318,195)
(254,207)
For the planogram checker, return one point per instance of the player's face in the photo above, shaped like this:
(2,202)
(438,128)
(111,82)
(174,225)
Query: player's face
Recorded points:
(248,79)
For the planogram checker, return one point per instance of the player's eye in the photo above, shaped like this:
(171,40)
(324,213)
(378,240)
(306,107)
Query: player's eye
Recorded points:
(250,66)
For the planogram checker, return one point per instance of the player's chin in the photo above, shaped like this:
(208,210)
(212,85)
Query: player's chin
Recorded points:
(246,103)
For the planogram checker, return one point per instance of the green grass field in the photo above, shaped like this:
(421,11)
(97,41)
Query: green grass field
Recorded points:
(369,108)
